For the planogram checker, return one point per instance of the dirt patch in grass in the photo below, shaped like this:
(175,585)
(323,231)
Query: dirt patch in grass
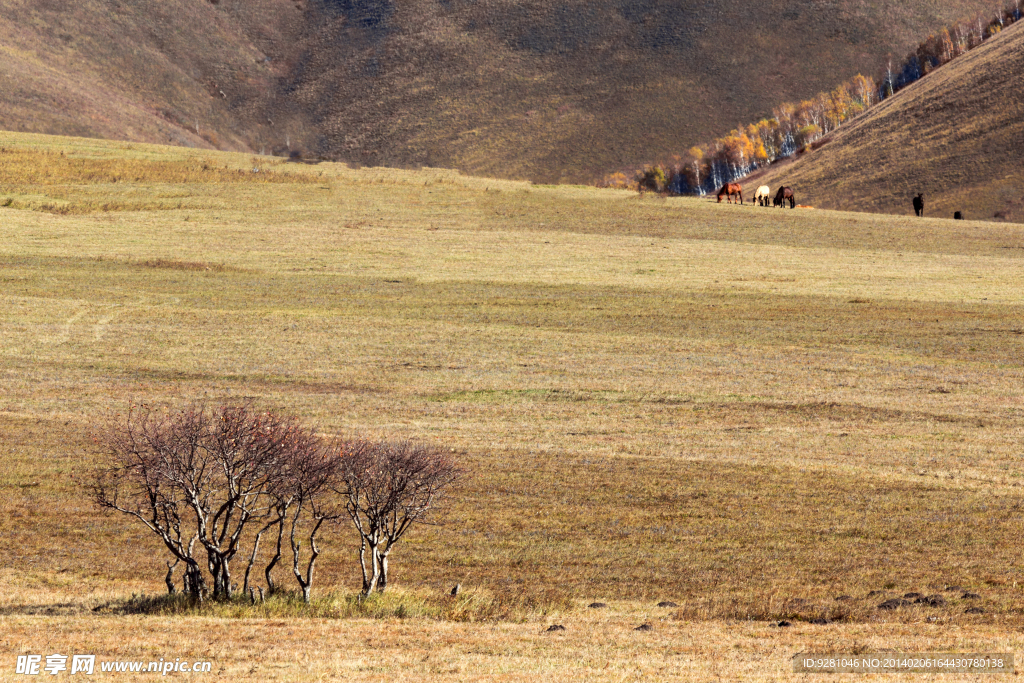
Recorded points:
(171,264)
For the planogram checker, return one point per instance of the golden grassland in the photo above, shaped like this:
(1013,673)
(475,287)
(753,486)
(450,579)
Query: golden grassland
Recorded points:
(749,413)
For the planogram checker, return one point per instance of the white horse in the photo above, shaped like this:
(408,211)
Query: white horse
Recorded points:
(762,195)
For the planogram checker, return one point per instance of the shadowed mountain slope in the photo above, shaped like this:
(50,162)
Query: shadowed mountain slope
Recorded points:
(539,89)
(569,91)
(957,136)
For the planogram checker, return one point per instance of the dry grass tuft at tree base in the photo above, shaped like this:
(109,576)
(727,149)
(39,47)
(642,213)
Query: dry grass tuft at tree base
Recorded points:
(747,413)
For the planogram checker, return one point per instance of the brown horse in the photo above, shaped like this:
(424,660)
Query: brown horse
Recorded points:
(784,193)
(729,190)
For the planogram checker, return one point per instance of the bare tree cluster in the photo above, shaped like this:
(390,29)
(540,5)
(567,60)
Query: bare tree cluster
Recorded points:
(213,482)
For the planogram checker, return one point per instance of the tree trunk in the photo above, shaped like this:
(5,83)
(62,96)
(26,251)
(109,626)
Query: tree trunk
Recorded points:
(370,585)
(252,560)
(195,584)
(225,573)
(214,567)
(314,552)
(271,587)
(169,579)
(221,572)
(382,584)
(362,565)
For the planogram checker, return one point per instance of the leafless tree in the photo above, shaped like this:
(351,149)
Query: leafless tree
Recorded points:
(301,492)
(388,487)
(211,482)
(310,478)
(135,483)
(198,477)
(279,513)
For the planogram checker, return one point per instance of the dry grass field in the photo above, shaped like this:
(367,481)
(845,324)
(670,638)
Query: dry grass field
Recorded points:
(749,413)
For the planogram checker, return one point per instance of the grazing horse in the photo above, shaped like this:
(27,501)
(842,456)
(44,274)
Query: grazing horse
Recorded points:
(762,195)
(782,195)
(729,190)
(919,205)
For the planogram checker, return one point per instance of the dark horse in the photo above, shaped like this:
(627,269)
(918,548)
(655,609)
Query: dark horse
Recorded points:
(729,190)
(919,205)
(782,195)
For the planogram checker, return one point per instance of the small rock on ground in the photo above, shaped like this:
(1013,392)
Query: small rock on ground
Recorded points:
(932,600)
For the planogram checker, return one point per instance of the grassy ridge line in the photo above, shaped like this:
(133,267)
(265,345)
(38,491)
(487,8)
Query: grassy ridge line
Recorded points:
(31,152)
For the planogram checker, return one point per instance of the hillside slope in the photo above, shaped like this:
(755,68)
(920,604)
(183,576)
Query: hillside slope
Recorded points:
(569,91)
(180,72)
(552,91)
(957,135)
